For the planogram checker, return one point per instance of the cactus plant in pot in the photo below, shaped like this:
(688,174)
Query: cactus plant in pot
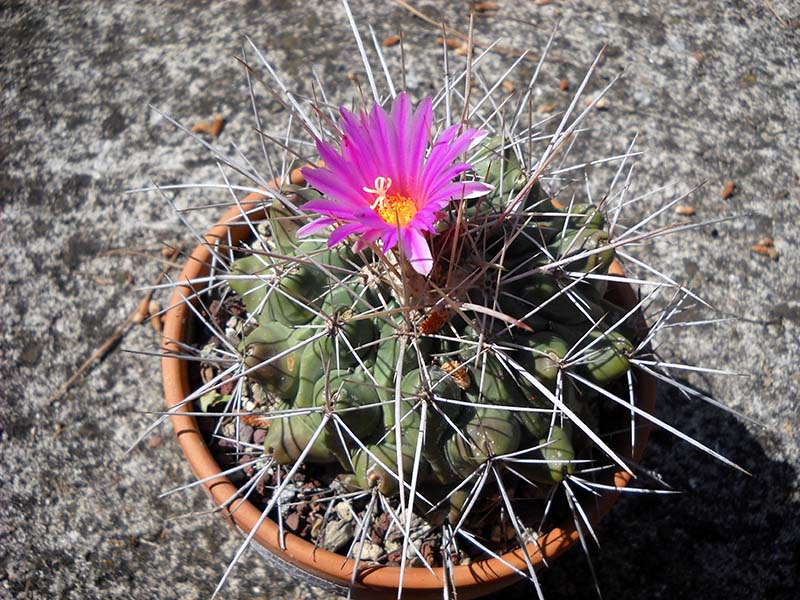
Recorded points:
(413,367)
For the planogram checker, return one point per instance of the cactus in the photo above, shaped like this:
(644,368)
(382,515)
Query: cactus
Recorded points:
(326,339)
(440,340)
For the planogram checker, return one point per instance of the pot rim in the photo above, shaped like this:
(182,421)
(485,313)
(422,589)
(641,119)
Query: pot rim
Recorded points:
(485,575)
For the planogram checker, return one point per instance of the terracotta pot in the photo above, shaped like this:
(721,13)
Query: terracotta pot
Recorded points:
(325,568)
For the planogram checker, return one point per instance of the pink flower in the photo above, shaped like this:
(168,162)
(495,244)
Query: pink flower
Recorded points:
(387,182)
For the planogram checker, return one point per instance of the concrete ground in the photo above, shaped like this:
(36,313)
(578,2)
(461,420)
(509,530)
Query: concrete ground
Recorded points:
(711,87)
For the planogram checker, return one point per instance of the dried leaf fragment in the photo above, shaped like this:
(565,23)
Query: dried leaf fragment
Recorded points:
(142,312)
(434,320)
(683,209)
(765,247)
(155,319)
(216,125)
(257,421)
(564,85)
(765,251)
(483,7)
(213,128)
(547,108)
(727,190)
(451,43)
(392,40)
(462,50)
(458,372)
(508,86)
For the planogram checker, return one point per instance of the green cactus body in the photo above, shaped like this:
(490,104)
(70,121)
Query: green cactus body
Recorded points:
(577,241)
(269,354)
(488,433)
(558,451)
(483,411)
(249,279)
(288,437)
(607,360)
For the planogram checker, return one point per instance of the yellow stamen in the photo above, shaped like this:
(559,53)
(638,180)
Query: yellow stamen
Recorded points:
(397,210)
(394,209)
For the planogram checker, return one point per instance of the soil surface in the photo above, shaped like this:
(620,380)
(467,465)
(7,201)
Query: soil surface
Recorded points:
(711,89)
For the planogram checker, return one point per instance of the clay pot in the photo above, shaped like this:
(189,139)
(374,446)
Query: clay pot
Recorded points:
(320,567)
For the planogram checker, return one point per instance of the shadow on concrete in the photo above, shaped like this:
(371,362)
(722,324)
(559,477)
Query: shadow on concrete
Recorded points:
(727,536)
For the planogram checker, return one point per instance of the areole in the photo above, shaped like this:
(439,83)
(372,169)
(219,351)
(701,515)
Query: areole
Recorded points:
(372,581)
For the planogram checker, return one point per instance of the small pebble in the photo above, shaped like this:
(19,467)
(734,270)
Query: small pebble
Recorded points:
(248,470)
(245,433)
(371,552)
(337,534)
(259,435)
(292,521)
(601,104)
(316,527)
(344,511)
(496,534)
(392,545)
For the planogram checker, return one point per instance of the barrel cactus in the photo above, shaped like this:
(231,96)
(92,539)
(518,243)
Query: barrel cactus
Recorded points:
(442,318)
(428,338)
(438,373)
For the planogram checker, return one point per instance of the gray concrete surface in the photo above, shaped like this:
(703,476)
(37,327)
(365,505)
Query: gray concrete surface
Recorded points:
(712,89)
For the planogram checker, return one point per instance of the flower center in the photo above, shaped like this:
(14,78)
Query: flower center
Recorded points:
(394,209)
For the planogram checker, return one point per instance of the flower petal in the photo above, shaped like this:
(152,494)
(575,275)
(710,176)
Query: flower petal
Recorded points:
(460,189)
(442,155)
(389,237)
(337,188)
(417,250)
(418,137)
(342,232)
(315,226)
(331,208)
(363,241)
